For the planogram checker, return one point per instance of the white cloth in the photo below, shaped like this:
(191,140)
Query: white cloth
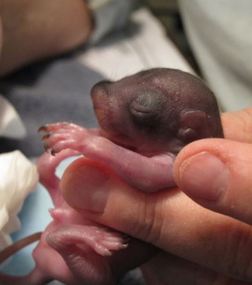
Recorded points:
(220,35)
(143,45)
(18,177)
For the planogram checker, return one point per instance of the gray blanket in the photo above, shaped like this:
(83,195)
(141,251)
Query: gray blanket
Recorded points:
(48,92)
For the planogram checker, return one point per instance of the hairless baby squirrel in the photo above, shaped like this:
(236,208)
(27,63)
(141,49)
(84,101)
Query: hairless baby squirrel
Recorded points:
(145,120)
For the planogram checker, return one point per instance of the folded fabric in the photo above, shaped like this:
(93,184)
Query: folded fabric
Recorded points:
(18,177)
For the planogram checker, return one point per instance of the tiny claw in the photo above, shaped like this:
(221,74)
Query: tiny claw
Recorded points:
(48,149)
(57,214)
(46,136)
(107,252)
(53,152)
(46,146)
(42,128)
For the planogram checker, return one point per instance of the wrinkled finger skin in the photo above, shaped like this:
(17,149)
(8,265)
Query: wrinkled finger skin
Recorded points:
(238,125)
(173,222)
(166,269)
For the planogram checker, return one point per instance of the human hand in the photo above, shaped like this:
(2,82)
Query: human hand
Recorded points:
(218,244)
(1,35)
(57,27)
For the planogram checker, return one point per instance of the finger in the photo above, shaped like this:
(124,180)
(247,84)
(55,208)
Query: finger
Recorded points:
(167,219)
(238,125)
(169,269)
(216,173)
(1,34)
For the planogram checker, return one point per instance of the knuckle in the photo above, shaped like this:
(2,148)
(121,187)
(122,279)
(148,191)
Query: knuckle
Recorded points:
(237,253)
(245,117)
(150,223)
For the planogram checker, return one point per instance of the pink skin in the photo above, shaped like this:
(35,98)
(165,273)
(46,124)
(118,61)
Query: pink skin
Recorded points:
(156,171)
(73,249)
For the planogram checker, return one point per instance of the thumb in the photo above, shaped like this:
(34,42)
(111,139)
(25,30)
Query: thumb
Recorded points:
(216,173)
(1,35)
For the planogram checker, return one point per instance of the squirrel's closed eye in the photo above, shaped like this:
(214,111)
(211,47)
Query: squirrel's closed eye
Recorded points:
(145,107)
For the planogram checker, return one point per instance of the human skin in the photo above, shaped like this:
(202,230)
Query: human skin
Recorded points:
(207,247)
(40,29)
(1,37)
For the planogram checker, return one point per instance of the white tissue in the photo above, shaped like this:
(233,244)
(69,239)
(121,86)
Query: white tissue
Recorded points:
(18,177)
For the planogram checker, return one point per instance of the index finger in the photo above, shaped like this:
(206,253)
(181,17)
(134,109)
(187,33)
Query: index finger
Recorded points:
(167,219)
(238,125)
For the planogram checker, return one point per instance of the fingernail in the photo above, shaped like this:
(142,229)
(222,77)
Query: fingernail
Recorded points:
(203,176)
(87,188)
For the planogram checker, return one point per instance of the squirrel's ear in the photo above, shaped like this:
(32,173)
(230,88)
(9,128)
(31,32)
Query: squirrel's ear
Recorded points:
(193,125)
